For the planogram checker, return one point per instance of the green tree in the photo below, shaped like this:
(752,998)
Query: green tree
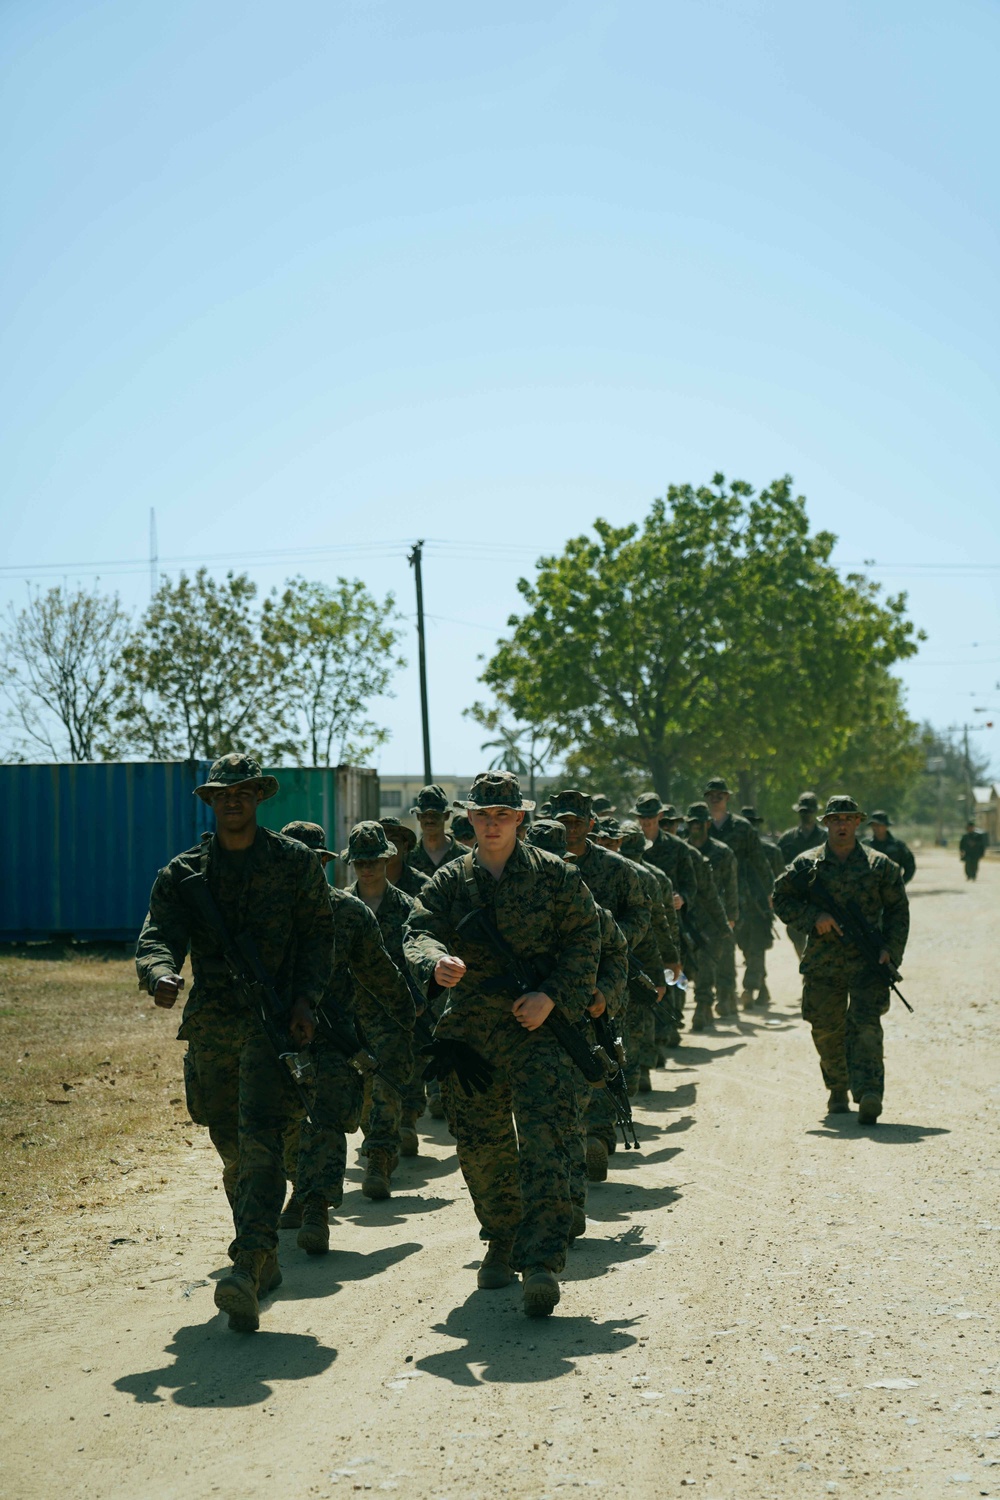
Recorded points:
(62,672)
(335,647)
(525,749)
(715,637)
(201,679)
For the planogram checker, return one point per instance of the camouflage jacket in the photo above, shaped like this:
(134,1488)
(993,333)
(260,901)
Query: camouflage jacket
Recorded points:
(393,910)
(752,864)
(421,861)
(900,854)
(612,971)
(724,873)
(775,857)
(798,839)
(673,856)
(707,911)
(275,891)
(864,876)
(363,970)
(671,923)
(614,882)
(661,945)
(540,906)
(410,882)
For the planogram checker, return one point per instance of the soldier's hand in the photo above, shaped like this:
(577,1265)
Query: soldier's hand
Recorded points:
(732,926)
(449,971)
(678,901)
(167,990)
(599,1006)
(661,990)
(825,923)
(533,1009)
(885,956)
(676,969)
(302,1023)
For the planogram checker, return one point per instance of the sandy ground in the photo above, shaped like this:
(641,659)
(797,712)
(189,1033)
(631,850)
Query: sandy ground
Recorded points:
(767,1303)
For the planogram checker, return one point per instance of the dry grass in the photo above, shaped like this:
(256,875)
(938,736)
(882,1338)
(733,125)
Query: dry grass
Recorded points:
(91,1097)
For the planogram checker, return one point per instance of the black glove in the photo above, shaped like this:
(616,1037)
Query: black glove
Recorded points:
(446,1056)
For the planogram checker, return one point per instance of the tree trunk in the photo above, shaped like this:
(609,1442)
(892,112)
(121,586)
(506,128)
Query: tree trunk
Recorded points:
(745,782)
(661,770)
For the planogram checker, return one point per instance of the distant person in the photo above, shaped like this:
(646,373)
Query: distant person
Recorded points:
(398,868)
(807,834)
(893,848)
(971,848)
(436,846)
(843,997)
(463,830)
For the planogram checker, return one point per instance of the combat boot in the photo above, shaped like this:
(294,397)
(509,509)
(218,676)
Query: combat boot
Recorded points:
(869,1109)
(671,1039)
(838,1103)
(408,1143)
(541,1293)
(291,1216)
(270,1275)
(579,1224)
(645,1082)
(764,995)
(435,1107)
(314,1236)
(702,1017)
(746,999)
(378,1174)
(495,1271)
(597,1159)
(236,1292)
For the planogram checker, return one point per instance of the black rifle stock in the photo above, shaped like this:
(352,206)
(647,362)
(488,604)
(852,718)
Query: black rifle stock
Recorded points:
(255,987)
(858,933)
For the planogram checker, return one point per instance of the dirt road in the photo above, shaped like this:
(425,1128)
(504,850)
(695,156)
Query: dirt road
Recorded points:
(766,1304)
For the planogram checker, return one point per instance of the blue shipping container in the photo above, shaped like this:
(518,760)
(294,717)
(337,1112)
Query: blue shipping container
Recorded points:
(82,844)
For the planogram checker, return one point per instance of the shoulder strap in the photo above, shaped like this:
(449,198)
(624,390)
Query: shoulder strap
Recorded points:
(469,874)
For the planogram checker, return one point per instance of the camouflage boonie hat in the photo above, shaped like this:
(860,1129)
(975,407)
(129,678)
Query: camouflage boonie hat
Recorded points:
(669,814)
(310,834)
(808,802)
(495,789)
(716,784)
(431,798)
(399,833)
(697,813)
(841,804)
(633,840)
(368,841)
(751,814)
(570,803)
(647,806)
(600,805)
(608,828)
(547,833)
(881,817)
(230,770)
(461,827)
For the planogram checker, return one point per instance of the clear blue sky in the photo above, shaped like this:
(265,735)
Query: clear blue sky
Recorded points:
(324,275)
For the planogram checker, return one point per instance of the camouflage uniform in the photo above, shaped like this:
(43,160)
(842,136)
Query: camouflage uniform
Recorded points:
(842,999)
(235,1086)
(660,949)
(612,981)
(519,1182)
(893,848)
(796,841)
(716,978)
(433,799)
(754,932)
(971,848)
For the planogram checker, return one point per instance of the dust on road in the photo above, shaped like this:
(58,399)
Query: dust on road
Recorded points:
(767,1303)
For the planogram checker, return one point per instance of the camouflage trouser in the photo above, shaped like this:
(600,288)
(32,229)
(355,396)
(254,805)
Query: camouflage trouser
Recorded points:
(845,1017)
(236,1086)
(640,1037)
(315,1153)
(755,965)
(715,973)
(577,1148)
(384,1104)
(799,939)
(514,1145)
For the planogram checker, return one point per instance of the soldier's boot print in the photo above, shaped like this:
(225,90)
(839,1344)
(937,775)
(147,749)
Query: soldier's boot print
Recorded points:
(597,1159)
(236,1293)
(838,1102)
(291,1214)
(314,1236)
(869,1109)
(495,1271)
(541,1292)
(378,1176)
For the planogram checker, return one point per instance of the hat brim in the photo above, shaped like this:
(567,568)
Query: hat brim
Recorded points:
(416,811)
(269,784)
(346,854)
(634,812)
(526,805)
(860,815)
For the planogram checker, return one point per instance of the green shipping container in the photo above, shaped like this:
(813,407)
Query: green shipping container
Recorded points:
(336,797)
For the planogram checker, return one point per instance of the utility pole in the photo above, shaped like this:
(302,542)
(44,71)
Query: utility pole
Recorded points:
(416,557)
(154,558)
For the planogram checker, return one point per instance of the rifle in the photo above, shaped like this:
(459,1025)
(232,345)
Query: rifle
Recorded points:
(446,1054)
(637,974)
(255,988)
(597,1065)
(611,1045)
(857,932)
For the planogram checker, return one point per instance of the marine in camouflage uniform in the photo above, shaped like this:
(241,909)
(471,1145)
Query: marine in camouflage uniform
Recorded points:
(971,848)
(271,888)
(807,834)
(843,998)
(514,1138)
(884,842)
(364,987)
(398,870)
(432,813)
(660,951)
(463,830)
(665,851)
(775,858)
(589,1153)
(720,981)
(754,930)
